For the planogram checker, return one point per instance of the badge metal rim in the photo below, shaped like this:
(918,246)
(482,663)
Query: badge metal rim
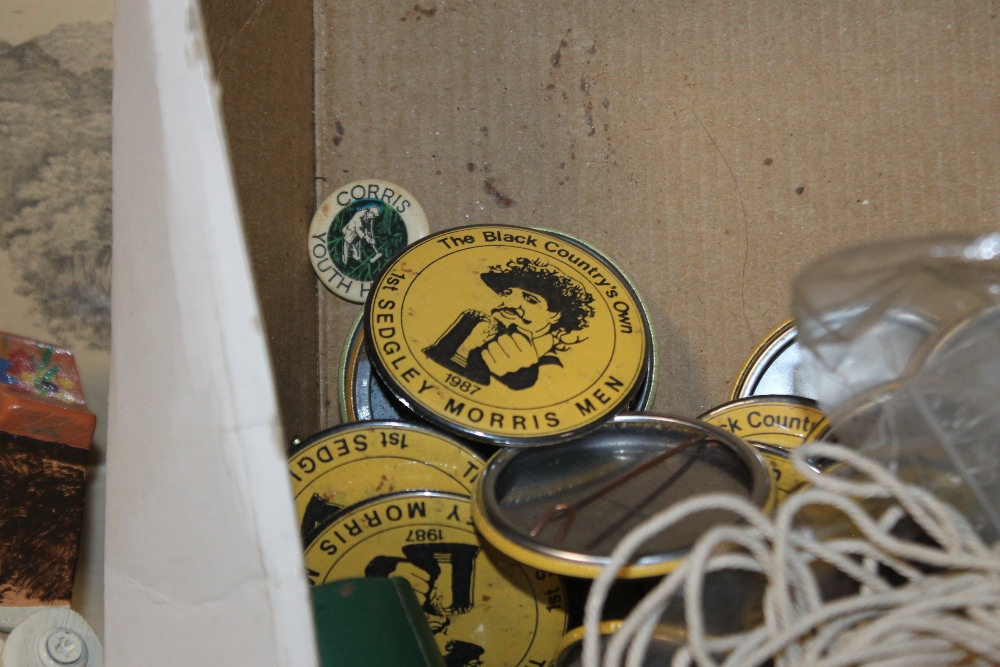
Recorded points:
(445,495)
(585,566)
(416,223)
(481,436)
(818,431)
(774,344)
(348,371)
(873,398)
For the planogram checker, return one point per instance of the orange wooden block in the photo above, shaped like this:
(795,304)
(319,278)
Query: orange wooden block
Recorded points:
(40,393)
(45,432)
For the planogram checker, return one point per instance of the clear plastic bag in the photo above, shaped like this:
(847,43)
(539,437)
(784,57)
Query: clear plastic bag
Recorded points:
(901,342)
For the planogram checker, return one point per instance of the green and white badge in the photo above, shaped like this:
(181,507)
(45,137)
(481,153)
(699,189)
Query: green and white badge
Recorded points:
(357,230)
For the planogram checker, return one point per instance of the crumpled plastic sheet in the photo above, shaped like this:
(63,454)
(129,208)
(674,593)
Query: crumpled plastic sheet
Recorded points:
(901,342)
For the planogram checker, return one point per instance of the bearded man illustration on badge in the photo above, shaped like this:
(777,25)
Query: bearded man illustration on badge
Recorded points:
(539,307)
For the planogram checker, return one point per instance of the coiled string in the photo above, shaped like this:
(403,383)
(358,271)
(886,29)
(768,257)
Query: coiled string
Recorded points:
(947,611)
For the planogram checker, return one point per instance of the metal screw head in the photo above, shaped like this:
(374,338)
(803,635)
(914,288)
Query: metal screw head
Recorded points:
(65,647)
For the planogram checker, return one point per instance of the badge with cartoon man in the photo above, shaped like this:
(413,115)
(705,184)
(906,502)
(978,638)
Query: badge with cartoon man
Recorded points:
(537,309)
(504,333)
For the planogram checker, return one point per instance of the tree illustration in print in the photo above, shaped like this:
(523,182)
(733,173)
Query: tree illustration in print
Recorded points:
(55,177)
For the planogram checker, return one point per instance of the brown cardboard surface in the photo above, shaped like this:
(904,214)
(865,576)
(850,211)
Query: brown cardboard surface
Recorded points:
(713,149)
(263,56)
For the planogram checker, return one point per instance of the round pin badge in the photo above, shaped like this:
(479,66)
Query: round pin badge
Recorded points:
(349,464)
(357,231)
(666,640)
(483,608)
(507,335)
(776,366)
(773,425)
(564,508)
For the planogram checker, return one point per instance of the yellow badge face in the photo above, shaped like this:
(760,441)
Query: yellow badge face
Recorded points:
(350,464)
(781,423)
(785,421)
(483,608)
(509,334)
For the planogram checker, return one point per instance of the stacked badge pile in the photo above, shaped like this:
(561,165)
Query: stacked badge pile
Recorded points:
(530,344)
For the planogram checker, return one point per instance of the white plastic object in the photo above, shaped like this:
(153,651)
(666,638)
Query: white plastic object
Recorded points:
(203,561)
(53,637)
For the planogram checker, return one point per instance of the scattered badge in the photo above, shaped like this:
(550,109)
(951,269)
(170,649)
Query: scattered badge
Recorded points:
(508,335)
(773,425)
(483,608)
(348,464)
(565,507)
(357,230)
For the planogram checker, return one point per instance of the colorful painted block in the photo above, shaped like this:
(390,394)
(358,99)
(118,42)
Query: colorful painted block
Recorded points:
(45,433)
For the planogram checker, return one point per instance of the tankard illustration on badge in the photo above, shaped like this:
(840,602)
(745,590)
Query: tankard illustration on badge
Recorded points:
(538,314)
(442,575)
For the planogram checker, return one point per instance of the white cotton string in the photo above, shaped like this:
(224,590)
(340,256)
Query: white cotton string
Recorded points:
(949,616)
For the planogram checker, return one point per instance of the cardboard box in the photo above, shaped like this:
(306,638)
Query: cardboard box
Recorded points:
(712,149)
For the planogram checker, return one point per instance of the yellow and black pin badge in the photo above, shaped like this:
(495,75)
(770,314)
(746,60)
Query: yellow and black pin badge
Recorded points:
(357,230)
(773,425)
(483,607)
(508,335)
(345,465)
